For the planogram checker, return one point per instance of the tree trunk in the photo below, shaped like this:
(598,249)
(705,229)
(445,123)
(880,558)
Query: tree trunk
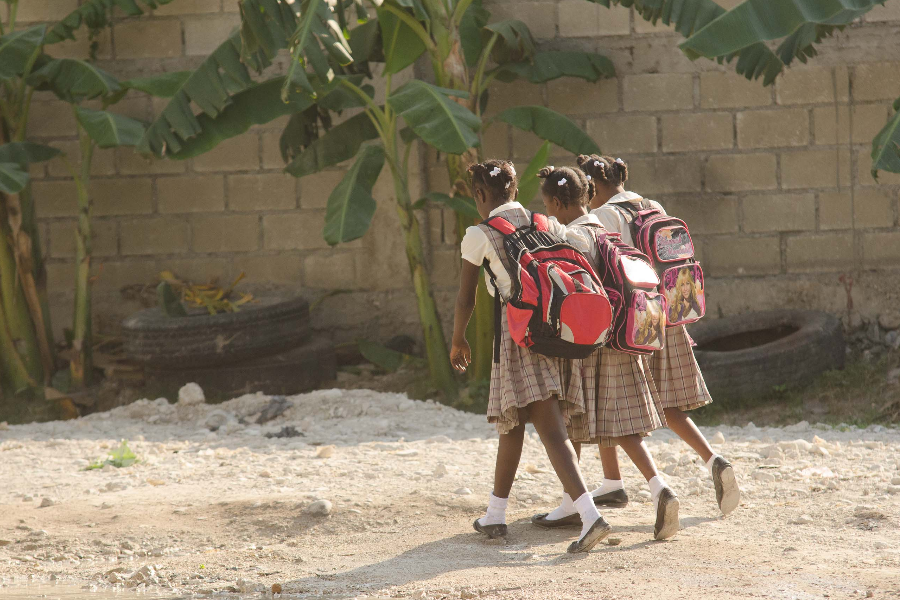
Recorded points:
(81,364)
(435,343)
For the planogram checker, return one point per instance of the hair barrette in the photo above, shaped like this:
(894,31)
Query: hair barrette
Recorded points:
(561,182)
(513,169)
(588,177)
(619,161)
(597,163)
(495,171)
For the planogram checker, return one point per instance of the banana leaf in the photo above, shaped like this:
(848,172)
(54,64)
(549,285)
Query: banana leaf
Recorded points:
(12,178)
(546,66)
(351,205)
(339,144)
(96,15)
(551,126)
(74,80)
(435,117)
(529,183)
(886,145)
(18,48)
(108,129)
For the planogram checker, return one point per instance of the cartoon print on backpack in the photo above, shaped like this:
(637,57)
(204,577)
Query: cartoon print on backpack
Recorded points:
(684,291)
(649,321)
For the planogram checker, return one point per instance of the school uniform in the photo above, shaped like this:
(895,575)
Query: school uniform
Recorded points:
(675,373)
(615,387)
(521,377)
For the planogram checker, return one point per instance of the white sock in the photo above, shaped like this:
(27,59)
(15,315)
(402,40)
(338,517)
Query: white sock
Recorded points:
(496,511)
(709,463)
(657,485)
(589,514)
(608,485)
(565,508)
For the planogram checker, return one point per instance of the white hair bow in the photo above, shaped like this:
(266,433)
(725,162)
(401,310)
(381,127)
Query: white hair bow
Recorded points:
(507,184)
(495,171)
(597,163)
(561,182)
(619,161)
(513,169)
(588,177)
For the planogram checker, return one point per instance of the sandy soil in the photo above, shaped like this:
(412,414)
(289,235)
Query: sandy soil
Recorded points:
(235,511)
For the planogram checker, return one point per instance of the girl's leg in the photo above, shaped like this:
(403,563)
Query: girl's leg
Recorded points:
(665,502)
(684,428)
(609,458)
(637,451)
(509,451)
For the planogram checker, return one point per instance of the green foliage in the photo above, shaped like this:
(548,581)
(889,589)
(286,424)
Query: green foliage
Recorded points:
(546,66)
(108,129)
(339,144)
(380,356)
(515,43)
(435,117)
(401,45)
(18,49)
(74,80)
(121,457)
(168,301)
(529,184)
(461,204)
(27,152)
(351,206)
(886,145)
(551,126)
(96,15)
(12,178)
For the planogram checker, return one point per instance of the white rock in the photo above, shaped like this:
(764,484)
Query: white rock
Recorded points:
(820,450)
(463,491)
(890,320)
(718,438)
(325,451)
(763,476)
(440,470)
(644,494)
(191,393)
(802,520)
(217,419)
(409,452)
(893,489)
(46,502)
(895,480)
(319,508)
(803,445)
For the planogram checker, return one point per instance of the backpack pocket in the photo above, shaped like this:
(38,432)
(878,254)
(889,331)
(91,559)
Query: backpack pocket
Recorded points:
(672,243)
(685,293)
(584,319)
(645,328)
(638,272)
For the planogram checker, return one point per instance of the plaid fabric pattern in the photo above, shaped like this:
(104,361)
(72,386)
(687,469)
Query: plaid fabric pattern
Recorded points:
(676,374)
(617,394)
(521,377)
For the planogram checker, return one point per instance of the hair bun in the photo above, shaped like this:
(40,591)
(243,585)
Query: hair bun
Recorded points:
(545,172)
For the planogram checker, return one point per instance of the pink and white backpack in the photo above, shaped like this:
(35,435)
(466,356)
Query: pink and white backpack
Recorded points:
(639,310)
(558,306)
(667,242)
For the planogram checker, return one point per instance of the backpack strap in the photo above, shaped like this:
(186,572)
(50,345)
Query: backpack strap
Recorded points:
(500,224)
(540,222)
(498,312)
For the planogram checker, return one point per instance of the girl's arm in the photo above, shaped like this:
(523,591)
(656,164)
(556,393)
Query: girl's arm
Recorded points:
(460,354)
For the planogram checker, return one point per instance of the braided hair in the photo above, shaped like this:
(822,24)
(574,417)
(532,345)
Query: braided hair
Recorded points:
(568,184)
(497,177)
(604,169)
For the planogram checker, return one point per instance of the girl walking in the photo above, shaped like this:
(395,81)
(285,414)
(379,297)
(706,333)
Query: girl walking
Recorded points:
(524,386)
(614,386)
(676,375)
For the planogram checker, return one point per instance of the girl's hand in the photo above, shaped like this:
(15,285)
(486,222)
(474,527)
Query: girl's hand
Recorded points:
(460,356)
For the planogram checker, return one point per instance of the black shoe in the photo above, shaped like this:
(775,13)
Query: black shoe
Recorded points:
(599,530)
(614,499)
(728,495)
(492,531)
(667,524)
(541,520)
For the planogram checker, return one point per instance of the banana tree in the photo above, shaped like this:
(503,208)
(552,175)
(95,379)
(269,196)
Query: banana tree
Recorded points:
(745,31)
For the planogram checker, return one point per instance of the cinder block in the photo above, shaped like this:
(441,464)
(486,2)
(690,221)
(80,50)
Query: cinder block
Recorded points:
(330,270)
(276,268)
(189,7)
(204,193)
(80,47)
(832,125)
(632,134)
(239,153)
(201,270)
(888,12)
(665,175)
(55,198)
(316,188)
(158,235)
(143,38)
(805,86)
(581,19)
(518,93)
(706,215)
(540,17)
(43,10)
(787,212)
(881,250)
(673,91)
(873,208)
(740,172)
(773,128)
(50,119)
(225,233)
(122,196)
(275,191)
(132,163)
(820,253)
(876,81)
(727,90)
(203,35)
(102,162)
(271,150)
(113,275)
(571,96)
(864,170)
(294,231)
(104,238)
(815,168)
(726,256)
(701,131)
(835,210)
(868,121)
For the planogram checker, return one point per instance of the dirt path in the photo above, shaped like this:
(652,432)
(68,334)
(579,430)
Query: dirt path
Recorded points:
(231,510)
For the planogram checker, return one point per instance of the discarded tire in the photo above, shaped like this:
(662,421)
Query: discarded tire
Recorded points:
(272,326)
(298,370)
(752,354)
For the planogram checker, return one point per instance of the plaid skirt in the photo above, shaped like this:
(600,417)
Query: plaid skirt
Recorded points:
(679,382)
(618,395)
(523,377)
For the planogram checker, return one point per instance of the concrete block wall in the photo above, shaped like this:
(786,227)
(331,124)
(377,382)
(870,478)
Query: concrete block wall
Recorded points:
(774,181)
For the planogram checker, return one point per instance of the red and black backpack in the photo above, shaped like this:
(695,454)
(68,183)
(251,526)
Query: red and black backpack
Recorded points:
(667,242)
(558,306)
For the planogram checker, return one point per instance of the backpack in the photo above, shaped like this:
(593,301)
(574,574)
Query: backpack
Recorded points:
(667,241)
(558,306)
(632,287)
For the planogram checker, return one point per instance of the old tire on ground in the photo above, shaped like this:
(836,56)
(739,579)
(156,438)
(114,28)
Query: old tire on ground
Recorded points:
(750,355)
(298,370)
(269,327)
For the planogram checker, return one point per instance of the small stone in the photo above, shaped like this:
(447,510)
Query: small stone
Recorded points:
(892,339)
(869,593)
(614,541)
(890,320)
(644,494)
(46,502)
(463,491)
(156,482)
(763,476)
(191,394)
(440,470)
(803,445)
(4,425)
(893,375)
(533,469)
(467,594)
(265,474)
(319,508)
(218,419)
(276,588)
(893,489)
(820,450)
(895,480)
(324,451)
(802,520)
(718,438)
(27,498)
(5,542)
(409,452)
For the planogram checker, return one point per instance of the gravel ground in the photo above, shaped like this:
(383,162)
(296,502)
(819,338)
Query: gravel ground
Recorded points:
(372,495)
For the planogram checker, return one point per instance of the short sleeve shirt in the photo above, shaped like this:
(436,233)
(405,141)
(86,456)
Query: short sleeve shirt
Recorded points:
(612,218)
(476,247)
